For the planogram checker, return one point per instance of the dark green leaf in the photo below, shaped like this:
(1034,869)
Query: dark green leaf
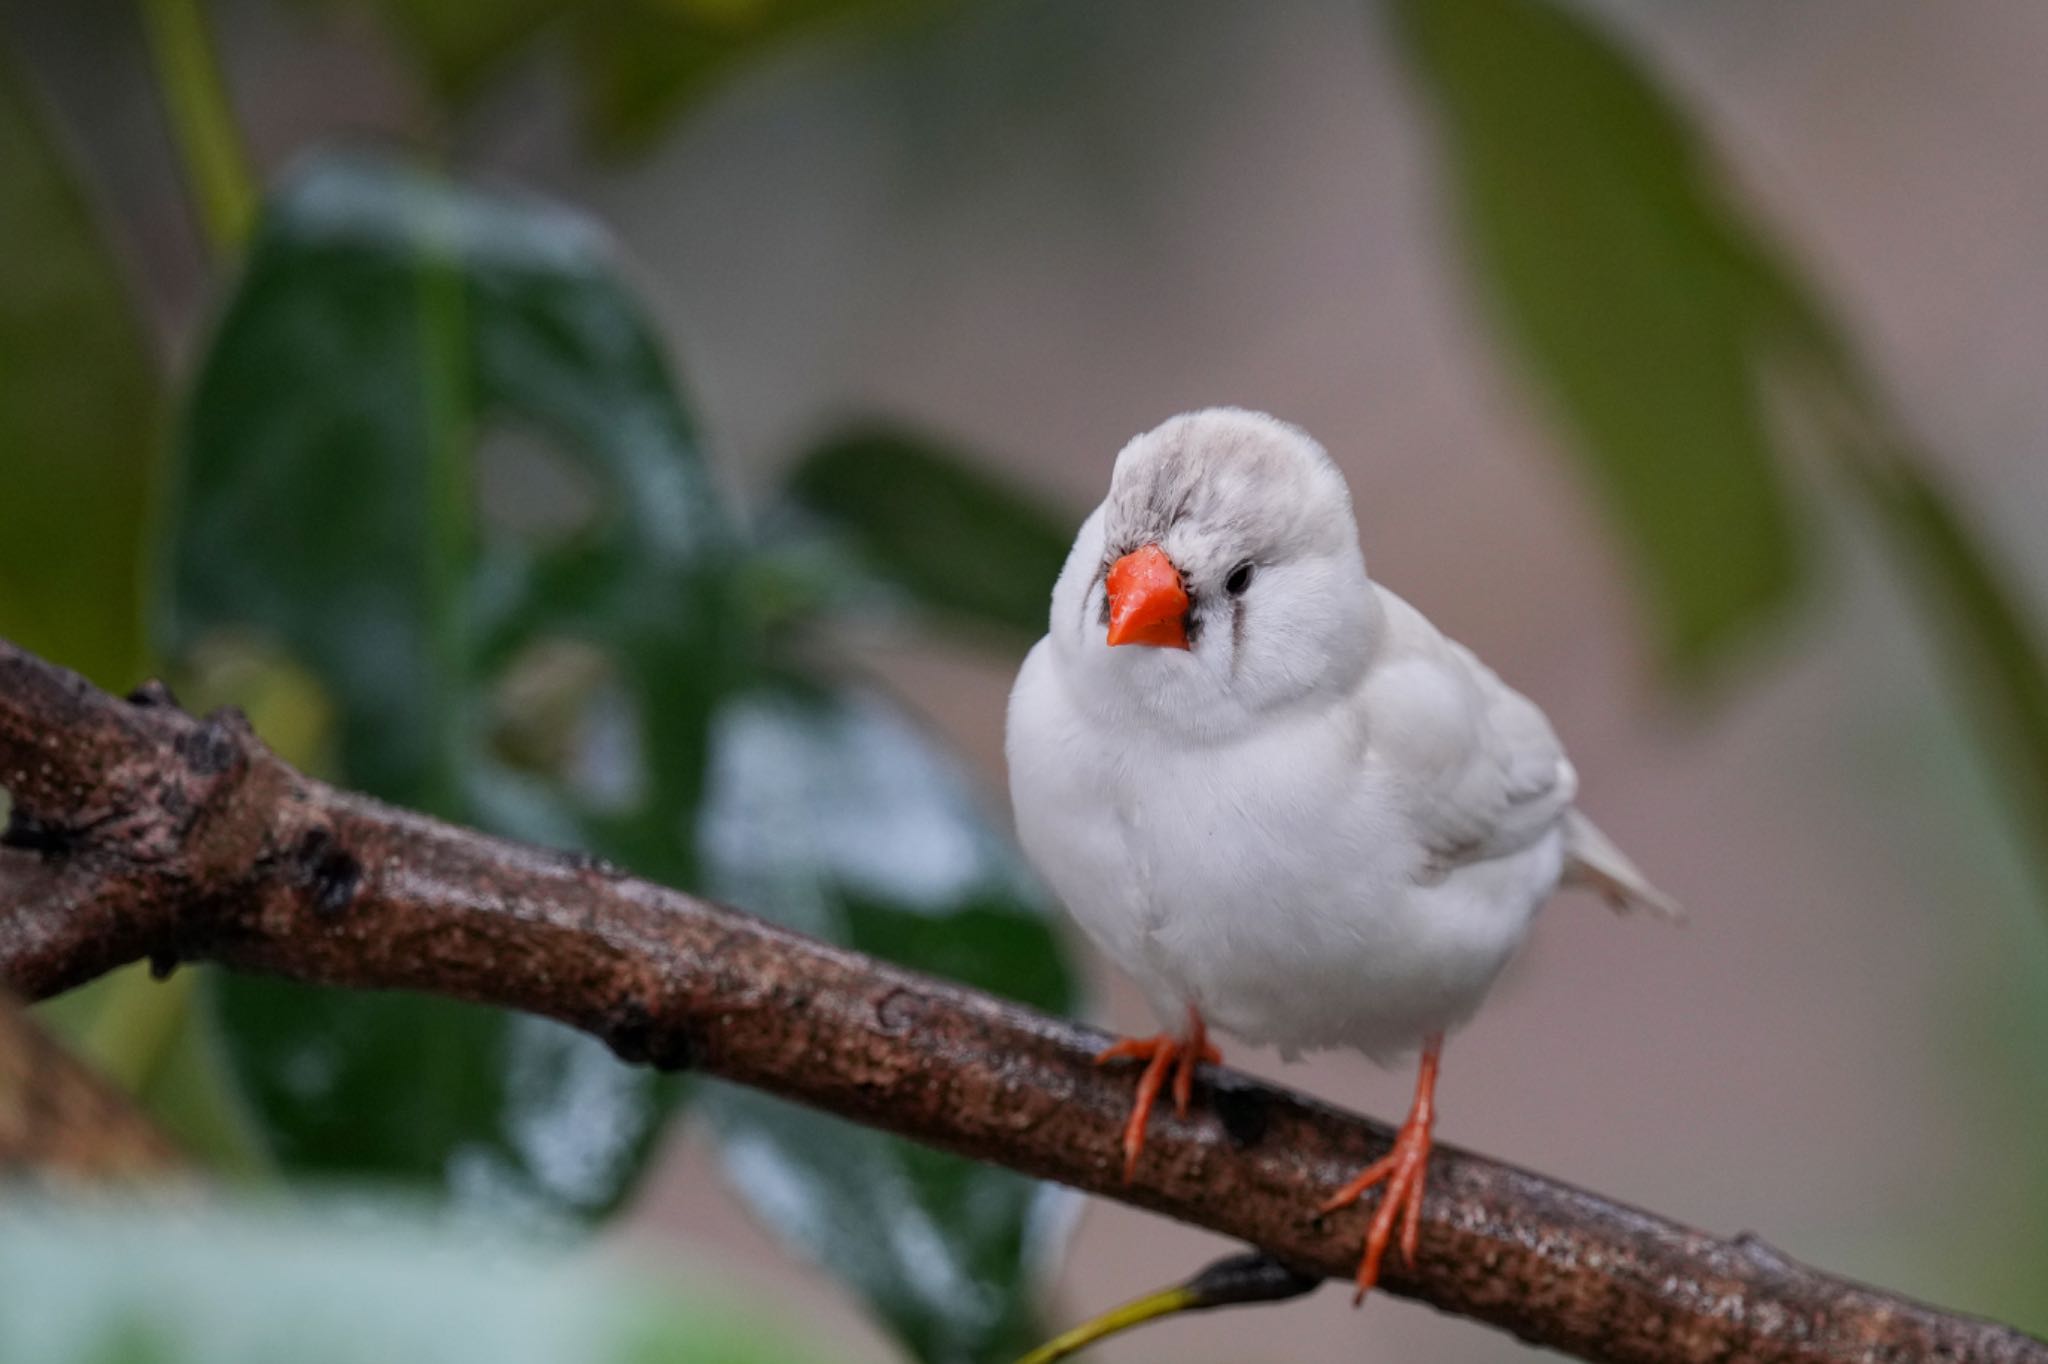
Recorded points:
(1636,292)
(340,1283)
(643,61)
(555,669)
(832,814)
(78,410)
(916,516)
(328,515)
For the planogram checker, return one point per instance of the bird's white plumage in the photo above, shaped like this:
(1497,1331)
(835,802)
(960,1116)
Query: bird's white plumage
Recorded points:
(1323,824)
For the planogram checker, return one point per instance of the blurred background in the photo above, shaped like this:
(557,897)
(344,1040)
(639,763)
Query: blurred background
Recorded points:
(447,382)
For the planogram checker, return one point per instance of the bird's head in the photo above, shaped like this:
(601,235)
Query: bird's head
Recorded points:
(1220,579)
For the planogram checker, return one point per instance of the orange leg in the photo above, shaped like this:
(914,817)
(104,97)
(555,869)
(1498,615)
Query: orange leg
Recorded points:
(1403,1170)
(1160,1054)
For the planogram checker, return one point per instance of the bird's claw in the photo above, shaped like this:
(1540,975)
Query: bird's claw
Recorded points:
(1404,1170)
(1160,1054)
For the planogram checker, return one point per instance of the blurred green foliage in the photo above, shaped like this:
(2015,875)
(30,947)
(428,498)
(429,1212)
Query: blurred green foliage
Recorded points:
(643,61)
(832,815)
(1695,368)
(613,664)
(388,333)
(79,403)
(1636,295)
(332,1282)
(322,505)
(896,508)
(1986,638)
(637,63)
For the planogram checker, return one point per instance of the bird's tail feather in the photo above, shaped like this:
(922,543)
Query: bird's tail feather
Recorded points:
(1592,861)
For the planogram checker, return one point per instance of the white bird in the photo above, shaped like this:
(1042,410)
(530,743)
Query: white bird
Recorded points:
(1272,792)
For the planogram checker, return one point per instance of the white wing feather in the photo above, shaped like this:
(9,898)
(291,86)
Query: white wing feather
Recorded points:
(1479,770)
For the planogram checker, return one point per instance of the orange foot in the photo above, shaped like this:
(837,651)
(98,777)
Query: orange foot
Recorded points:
(1160,1054)
(1403,1170)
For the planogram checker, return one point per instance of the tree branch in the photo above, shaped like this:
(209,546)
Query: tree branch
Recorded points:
(139,831)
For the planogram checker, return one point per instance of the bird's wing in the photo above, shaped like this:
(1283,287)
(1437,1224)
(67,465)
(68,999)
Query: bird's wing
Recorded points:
(1475,764)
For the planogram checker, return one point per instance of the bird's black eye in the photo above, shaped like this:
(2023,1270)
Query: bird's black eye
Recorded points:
(1240,578)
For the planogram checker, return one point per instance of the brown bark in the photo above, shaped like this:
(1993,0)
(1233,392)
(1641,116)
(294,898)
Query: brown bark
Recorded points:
(140,831)
(61,1122)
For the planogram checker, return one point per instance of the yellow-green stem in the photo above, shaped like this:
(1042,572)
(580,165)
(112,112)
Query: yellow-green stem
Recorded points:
(1164,1303)
(202,120)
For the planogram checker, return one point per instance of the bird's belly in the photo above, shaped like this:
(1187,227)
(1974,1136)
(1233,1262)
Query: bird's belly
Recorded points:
(1282,901)
(1275,889)
(1306,962)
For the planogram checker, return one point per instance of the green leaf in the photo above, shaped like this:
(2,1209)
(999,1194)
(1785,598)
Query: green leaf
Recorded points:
(829,812)
(562,669)
(640,62)
(79,397)
(643,61)
(342,1283)
(1636,293)
(571,668)
(908,513)
(1657,314)
(1990,641)
(391,338)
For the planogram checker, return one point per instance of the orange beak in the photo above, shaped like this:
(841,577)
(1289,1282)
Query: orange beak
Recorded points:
(1147,604)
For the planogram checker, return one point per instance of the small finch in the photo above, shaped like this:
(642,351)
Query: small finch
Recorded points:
(1273,793)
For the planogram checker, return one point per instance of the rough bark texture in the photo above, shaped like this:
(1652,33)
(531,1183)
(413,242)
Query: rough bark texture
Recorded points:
(139,831)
